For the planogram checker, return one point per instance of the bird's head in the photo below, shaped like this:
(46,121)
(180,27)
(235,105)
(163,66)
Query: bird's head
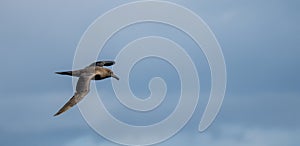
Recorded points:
(111,74)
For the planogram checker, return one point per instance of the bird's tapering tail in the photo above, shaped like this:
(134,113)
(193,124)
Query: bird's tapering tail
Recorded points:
(65,73)
(67,106)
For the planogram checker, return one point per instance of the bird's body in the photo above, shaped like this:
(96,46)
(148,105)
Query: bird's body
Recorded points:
(95,71)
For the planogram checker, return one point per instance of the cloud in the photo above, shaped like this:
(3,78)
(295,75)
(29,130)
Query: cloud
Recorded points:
(259,41)
(84,140)
(249,136)
(224,135)
(29,119)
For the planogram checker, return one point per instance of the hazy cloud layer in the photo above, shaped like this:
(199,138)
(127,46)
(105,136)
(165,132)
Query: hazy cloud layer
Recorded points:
(260,42)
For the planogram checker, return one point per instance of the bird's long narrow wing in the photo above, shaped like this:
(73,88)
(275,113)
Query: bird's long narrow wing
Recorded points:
(69,104)
(102,63)
(82,89)
(83,83)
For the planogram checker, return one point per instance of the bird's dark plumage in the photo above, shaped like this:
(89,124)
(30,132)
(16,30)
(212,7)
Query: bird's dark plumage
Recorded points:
(77,72)
(95,71)
(103,63)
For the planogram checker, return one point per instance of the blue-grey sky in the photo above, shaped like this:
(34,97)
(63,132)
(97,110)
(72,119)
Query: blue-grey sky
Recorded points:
(260,43)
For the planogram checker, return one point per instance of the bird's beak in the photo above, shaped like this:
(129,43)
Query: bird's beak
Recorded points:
(114,76)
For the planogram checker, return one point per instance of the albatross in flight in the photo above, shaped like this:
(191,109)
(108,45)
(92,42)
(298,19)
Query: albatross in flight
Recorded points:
(95,71)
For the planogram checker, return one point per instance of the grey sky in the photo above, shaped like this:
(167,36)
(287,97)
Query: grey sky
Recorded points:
(260,42)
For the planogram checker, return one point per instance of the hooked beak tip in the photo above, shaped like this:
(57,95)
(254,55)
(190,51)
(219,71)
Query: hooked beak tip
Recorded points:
(116,77)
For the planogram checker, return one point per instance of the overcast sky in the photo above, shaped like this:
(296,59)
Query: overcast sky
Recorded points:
(260,43)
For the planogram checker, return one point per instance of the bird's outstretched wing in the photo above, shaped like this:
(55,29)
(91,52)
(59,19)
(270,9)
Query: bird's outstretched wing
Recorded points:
(102,63)
(82,89)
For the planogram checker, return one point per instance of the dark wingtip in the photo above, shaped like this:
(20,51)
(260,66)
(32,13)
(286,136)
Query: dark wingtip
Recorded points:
(103,63)
(58,113)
